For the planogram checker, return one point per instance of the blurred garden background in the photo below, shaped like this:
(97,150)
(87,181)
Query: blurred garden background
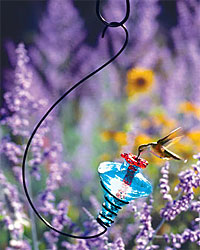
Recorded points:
(151,89)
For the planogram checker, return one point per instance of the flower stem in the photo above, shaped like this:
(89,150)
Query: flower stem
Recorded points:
(158,237)
(199,220)
(160,225)
(32,216)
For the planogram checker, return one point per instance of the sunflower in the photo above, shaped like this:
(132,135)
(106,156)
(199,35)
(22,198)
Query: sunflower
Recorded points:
(188,107)
(107,135)
(194,137)
(118,136)
(139,80)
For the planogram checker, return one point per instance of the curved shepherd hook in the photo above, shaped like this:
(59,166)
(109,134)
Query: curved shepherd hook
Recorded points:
(112,24)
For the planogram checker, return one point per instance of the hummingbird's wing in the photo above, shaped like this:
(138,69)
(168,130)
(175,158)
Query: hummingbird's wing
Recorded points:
(170,155)
(170,137)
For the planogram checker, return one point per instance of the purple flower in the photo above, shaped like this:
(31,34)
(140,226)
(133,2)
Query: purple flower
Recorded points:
(176,240)
(195,206)
(20,108)
(186,39)
(20,104)
(95,203)
(172,209)
(13,151)
(120,244)
(164,187)
(188,180)
(19,244)
(14,217)
(146,229)
(58,174)
(60,219)
(186,55)
(81,244)
(60,53)
(197,157)
(141,49)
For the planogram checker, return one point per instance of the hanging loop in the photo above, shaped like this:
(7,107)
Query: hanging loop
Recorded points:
(113,24)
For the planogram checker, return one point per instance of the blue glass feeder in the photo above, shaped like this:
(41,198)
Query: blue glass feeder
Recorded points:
(122,183)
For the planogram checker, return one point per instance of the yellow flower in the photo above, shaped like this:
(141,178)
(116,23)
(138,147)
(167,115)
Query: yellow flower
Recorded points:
(194,136)
(196,191)
(189,107)
(106,135)
(159,117)
(165,121)
(158,120)
(139,80)
(117,136)
(105,157)
(120,138)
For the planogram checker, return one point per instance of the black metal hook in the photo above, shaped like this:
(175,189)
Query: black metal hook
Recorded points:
(112,24)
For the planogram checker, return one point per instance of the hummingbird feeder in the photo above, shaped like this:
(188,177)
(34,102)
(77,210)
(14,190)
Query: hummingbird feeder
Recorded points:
(122,183)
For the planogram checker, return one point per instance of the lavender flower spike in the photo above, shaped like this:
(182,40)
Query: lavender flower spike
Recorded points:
(164,186)
(14,217)
(146,230)
(188,180)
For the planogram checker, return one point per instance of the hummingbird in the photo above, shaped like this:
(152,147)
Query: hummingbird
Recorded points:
(160,148)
